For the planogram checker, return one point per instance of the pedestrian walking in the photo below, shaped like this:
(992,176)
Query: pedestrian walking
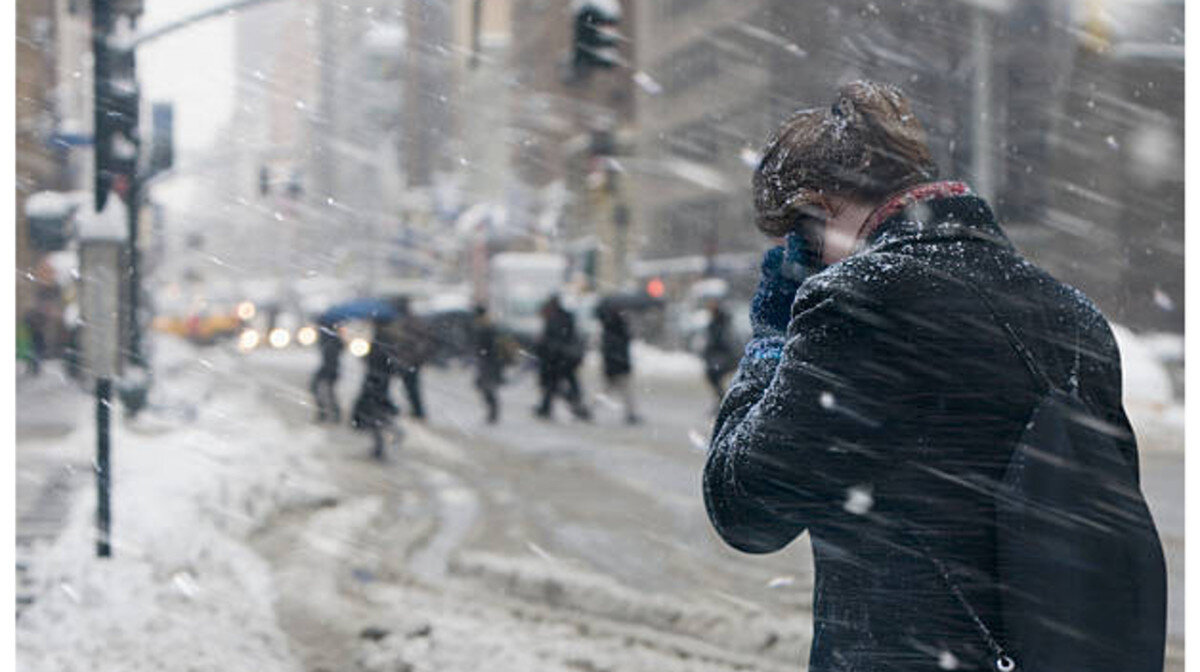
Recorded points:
(903,352)
(490,358)
(720,357)
(618,364)
(412,348)
(36,325)
(374,410)
(324,381)
(560,351)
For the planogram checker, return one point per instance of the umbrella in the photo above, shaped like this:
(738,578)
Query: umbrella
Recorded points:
(359,309)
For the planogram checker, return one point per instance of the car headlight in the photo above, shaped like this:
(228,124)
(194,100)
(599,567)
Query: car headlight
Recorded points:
(306,336)
(279,337)
(248,340)
(359,347)
(246,310)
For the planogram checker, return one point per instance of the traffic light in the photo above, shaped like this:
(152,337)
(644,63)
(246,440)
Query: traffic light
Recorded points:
(596,37)
(118,98)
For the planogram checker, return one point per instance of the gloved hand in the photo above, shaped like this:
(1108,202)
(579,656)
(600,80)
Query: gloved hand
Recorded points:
(783,269)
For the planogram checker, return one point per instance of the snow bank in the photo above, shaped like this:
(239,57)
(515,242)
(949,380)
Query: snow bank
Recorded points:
(1154,411)
(183,590)
(559,585)
(558,618)
(655,362)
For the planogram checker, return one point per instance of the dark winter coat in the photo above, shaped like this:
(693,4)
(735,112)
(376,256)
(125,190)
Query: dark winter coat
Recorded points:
(374,406)
(897,400)
(489,356)
(559,348)
(413,342)
(719,354)
(614,344)
(329,344)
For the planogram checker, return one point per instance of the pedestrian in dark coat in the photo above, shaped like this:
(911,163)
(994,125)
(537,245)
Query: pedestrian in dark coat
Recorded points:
(560,351)
(411,349)
(374,410)
(489,362)
(615,339)
(719,355)
(324,381)
(879,394)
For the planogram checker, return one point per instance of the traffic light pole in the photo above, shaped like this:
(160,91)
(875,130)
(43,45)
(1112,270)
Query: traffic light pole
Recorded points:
(136,357)
(101,27)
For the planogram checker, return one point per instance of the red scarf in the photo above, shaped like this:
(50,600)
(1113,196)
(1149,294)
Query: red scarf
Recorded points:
(903,199)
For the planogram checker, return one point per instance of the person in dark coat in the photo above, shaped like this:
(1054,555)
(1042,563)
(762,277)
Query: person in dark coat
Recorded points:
(411,350)
(879,394)
(36,323)
(374,410)
(719,355)
(324,381)
(618,364)
(489,362)
(560,351)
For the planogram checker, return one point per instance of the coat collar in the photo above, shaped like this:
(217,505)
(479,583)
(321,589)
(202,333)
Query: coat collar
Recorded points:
(931,211)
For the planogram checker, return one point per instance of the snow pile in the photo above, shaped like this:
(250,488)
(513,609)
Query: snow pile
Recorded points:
(462,630)
(182,590)
(1154,411)
(561,586)
(654,362)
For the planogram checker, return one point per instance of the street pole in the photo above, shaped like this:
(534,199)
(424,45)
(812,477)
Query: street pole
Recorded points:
(103,477)
(982,144)
(102,247)
(101,25)
(135,281)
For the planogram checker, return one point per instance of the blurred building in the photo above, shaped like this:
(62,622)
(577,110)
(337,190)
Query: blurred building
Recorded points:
(261,223)
(53,135)
(1066,113)
(564,131)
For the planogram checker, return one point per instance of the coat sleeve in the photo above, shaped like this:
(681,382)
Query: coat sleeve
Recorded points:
(798,434)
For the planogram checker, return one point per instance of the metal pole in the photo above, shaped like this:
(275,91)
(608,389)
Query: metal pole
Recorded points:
(103,511)
(135,278)
(982,150)
(101,25)
(476,19)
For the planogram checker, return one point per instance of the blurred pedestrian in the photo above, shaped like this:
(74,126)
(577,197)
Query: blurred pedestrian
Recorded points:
(36,326)
(324,382)
(719,355)
(412,348)
(560,351)
(374,410)
(618,364)
(901,346)
(489,362)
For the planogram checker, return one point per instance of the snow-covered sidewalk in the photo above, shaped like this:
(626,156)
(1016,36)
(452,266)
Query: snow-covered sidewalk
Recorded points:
(182,590)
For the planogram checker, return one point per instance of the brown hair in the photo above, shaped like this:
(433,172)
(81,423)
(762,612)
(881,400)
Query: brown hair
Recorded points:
(867,145)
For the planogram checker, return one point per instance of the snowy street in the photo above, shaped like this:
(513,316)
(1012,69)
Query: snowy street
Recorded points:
(939,246)
(557,545)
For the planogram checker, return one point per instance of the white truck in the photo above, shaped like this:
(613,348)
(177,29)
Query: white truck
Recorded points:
(518,284)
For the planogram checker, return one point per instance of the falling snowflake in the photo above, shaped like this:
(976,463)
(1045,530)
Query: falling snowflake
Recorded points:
(827,400)
(859,500)
(947,661)
(1162,300)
